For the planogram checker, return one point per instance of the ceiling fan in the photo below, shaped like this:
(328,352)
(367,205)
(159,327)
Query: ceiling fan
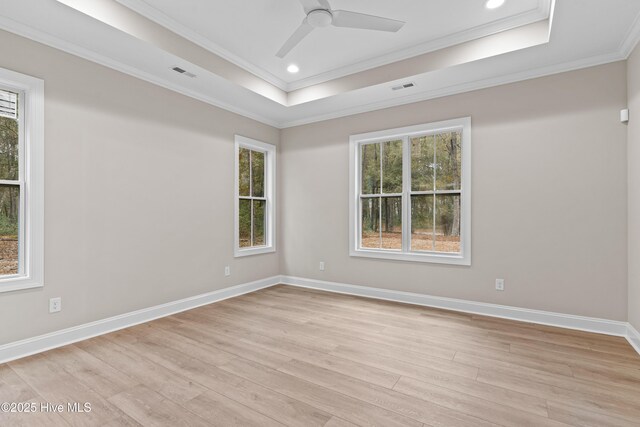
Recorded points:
(320,14)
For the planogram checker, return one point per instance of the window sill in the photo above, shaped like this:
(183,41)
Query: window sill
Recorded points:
(443,258)
(18,283)
(254,251)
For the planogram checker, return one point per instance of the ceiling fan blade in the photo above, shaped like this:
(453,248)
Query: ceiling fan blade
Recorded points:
(310,5)
(303,31)
(344,18)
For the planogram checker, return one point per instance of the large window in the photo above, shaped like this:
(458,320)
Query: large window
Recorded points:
(21,181)
(254,197)
(410,193)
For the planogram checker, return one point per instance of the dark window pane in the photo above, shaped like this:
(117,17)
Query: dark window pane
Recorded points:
(422,163)
(422,223)
(258,222)
(244,223)
(9,220)
(448,223)
(243,169)
(448,160)
(391,222)
(8,148)
(370,223)
(392,167)
(257,166)
(370,163)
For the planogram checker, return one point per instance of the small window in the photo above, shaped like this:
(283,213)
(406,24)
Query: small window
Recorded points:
(410,193)
(254,197)
(21,181)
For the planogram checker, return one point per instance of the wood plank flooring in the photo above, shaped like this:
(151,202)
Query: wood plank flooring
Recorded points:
(298,357)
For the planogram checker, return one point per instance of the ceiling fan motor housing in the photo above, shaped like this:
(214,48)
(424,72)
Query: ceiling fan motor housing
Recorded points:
(320,18)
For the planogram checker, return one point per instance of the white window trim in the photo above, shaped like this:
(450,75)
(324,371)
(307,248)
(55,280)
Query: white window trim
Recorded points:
(31,273)
(269,151)
(355,141)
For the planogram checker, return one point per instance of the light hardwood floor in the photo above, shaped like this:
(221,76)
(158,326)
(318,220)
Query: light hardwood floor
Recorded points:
(290,356)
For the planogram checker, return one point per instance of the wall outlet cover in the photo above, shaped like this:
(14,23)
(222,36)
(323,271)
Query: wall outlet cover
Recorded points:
(55,305)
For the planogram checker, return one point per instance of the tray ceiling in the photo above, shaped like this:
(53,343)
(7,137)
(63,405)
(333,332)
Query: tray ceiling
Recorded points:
(449,46)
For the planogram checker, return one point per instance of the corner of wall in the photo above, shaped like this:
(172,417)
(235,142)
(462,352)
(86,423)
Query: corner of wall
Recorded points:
(633,187)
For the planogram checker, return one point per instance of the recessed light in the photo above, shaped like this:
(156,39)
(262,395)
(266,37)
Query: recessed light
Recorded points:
(293,68)
(494,4)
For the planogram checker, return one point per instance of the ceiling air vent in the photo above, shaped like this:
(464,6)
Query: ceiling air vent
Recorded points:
(403,86)
(8,104)
(183,71)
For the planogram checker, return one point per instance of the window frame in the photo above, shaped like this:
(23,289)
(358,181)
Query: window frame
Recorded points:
(269,151)
(405,134)
(31,181)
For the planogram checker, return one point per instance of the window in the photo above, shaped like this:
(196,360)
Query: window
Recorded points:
(254,197)
(21,181)
(410,193)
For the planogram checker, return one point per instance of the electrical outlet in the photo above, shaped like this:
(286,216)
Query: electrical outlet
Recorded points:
(227,271)
(499,284)
(55,305)
(321,265)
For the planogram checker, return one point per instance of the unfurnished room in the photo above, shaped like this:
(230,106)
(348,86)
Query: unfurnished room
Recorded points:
(320,213)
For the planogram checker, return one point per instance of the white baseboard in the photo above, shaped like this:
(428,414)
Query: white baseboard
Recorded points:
(27,347)
(30,346)
(633,336)
(589,324)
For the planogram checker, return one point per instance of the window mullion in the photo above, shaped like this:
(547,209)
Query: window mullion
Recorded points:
(429,193)
(265,216)
(251,196)
(251,223)
(380,201)
(250,173)
(358,191)
(380,222)
(406,196)
(373,196)
(22,169)
(435,177)
(22,232)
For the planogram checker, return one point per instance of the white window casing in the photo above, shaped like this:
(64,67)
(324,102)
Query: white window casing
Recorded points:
(405,134)
(269,197)
(30,115)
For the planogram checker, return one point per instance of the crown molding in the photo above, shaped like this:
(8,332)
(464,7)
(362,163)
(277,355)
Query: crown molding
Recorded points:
(540,13)
(461,88)
(625,48)
(28,32)
(632,38)
(160,18)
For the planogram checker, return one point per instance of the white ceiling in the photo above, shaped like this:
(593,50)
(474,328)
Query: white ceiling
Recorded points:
(250,32)
(584,33)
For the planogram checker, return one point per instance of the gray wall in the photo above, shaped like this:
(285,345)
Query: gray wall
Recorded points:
(633,141)
(138,198)
(549,177)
